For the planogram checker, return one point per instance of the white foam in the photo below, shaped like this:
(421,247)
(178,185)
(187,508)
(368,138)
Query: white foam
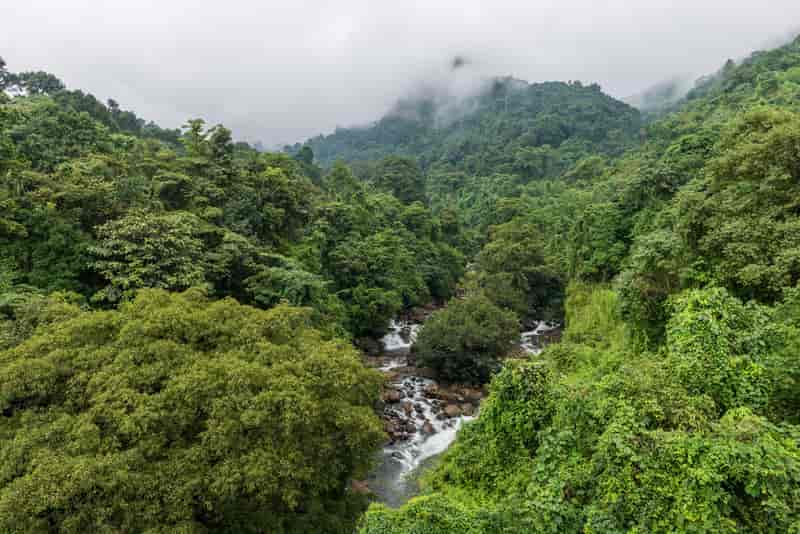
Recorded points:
(400,337)
(529,341)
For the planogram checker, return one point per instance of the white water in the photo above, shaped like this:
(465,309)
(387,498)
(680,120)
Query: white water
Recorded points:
(393,479)
(529,341)
(400,337)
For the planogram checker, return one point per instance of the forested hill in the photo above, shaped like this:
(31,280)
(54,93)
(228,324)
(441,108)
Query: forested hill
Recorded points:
(535,130)
(178,312)
(672,403)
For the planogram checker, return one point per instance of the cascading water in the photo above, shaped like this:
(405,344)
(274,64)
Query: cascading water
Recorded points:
(531,341)
(420,427)
(428,432)
(401,336)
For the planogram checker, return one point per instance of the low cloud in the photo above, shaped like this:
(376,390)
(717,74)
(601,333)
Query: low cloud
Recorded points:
(281,72)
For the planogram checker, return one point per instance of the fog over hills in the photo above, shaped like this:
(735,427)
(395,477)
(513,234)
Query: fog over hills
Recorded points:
(284,72)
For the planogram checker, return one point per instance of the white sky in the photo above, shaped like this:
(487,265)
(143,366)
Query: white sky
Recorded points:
(284,71)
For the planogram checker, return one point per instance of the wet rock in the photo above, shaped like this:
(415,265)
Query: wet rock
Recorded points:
(391,376)
(467,409)
(391,395)
(431,391)
(390,427)
(452,410)
(450,395)
(471,394)
(360,486)
(427,428)
(408,407)
(417,315)
(419,408)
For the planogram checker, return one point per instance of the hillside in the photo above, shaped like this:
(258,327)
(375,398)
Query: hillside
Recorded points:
(671,405)
(510,126)
(182,317)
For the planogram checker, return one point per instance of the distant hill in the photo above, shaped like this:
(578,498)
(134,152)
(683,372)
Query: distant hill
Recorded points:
(509,125)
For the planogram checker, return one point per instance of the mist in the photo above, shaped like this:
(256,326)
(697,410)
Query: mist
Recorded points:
(283,72)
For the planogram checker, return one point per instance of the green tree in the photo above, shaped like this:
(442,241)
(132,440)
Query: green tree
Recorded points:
(402,177)
(464,341)
(515,255)
(144,249)
(175,413)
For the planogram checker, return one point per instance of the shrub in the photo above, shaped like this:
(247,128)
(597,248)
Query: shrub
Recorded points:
(464,341)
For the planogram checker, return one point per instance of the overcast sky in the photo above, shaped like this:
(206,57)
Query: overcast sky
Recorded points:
(280,71)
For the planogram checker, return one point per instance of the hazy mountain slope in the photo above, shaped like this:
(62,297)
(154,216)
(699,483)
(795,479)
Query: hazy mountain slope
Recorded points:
(508,126)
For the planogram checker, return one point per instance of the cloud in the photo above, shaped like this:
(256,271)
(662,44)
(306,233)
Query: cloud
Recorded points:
(283,71)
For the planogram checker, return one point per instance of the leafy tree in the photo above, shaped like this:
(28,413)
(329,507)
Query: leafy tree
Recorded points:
(38,82)
(148,250)
(177,413)
(402,177)
(5,76)
(464,341)
(514,256)
(378,267)
(720,347)
(594,436)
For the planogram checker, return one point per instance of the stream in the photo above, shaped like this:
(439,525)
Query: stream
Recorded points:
(422,418)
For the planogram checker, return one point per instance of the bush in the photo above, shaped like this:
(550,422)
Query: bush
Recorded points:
(435,514)
(720,347)
(464,341)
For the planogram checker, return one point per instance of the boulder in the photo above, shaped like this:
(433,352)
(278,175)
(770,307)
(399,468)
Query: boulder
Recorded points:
(472,394)
(427,428)
(390,427)
(391,376)
(431,391)
(467,409)
(452,410)
(391,395)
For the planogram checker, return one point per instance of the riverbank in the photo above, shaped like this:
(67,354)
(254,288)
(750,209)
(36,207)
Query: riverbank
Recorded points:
(422,415)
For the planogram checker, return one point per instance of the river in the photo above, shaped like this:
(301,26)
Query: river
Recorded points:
(420,428)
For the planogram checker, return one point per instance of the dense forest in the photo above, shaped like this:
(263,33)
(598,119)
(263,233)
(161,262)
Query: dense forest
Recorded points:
(181,314)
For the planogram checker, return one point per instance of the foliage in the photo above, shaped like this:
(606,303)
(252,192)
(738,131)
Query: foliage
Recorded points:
(510,126)
(513,257)
(402,177)
(93,203)
(464,340)
(670,405)
(178,413)
(146,250)
(435,514)
(600,438)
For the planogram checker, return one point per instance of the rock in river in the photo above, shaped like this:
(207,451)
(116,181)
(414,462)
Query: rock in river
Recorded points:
(452,410)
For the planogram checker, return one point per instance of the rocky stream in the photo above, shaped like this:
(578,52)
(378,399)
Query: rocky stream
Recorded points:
(421,416)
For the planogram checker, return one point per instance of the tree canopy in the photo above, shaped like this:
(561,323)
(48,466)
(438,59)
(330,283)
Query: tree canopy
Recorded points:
(178,310)
(179,413)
